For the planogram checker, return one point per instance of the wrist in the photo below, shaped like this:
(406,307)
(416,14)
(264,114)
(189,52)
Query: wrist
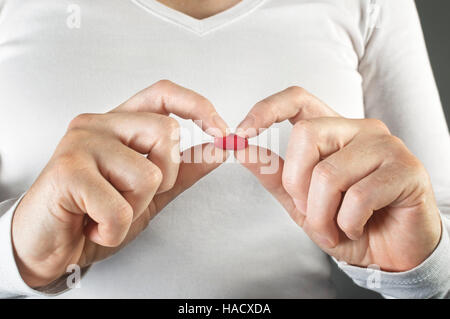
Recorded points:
(33,262)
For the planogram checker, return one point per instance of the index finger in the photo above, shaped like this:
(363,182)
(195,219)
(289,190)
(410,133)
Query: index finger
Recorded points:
(293,104)
(166,97)
(267,167)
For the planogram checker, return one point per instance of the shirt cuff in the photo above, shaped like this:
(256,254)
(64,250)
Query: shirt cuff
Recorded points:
(431,279)
(11,282)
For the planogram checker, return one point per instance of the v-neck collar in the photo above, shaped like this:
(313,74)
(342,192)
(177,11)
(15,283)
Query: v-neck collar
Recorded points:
(199,26)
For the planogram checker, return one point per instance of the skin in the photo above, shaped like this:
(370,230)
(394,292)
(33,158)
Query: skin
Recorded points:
(354,188)
(98,191)
(200,9)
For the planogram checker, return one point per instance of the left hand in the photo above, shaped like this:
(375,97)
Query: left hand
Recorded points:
(354,188)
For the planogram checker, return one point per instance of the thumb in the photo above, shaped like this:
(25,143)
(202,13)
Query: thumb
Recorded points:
(293,104)
(267,167)
(197,162)
(208,158)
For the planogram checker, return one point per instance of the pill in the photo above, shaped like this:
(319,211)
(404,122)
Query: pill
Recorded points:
(231,142)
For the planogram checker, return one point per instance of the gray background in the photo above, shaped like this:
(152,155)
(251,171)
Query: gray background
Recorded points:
(436,27)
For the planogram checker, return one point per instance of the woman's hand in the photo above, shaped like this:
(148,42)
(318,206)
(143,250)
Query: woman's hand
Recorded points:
(99,191)
(356,190)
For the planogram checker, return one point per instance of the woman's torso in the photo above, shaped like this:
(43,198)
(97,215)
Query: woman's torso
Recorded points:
(226,236)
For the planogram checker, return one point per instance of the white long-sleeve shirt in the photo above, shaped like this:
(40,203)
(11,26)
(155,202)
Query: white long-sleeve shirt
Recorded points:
(226,236)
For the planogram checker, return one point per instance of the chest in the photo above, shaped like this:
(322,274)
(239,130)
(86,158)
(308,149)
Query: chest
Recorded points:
(60,61)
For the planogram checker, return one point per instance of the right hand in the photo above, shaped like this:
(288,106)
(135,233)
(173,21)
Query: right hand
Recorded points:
(98,191)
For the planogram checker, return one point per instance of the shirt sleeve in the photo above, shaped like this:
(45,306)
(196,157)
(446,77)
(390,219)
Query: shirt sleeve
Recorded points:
(11,283)
(399,89)
(431,279)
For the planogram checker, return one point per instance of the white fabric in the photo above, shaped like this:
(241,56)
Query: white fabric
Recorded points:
(429,279)
(226,236)
(11,282)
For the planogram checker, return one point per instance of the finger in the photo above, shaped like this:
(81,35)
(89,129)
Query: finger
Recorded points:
(166,97)
(332,177)
(134,176)
(294,103)
(147,133)
(315,139)
(190,173)
(392,184)
(191,170)
(111,215)
(267,167)
(92,254)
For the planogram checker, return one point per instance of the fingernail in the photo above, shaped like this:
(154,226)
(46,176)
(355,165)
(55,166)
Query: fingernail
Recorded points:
(220,123)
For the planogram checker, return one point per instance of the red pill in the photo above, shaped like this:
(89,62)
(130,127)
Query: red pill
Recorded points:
(231,142)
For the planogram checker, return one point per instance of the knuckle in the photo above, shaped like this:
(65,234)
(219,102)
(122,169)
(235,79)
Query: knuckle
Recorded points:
(202,103)
(76,144)
(166,185)
(398,152)
(305,129)
(69,165)
(64,162)
(325,172)
(172,125)
(76,135)
(124,214)
(348,227)
(297,91)
(421,176)
(119,223)
(81,120)
(396,141)
(413,164)
(163,84)
(412,167)
(419,170)
(356,195)
(378,124)
(264,105)
(290,184)
(171,128)
(391,146)
(112,241)
(299,94)
(265,109)
(152,176)
(393,143)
